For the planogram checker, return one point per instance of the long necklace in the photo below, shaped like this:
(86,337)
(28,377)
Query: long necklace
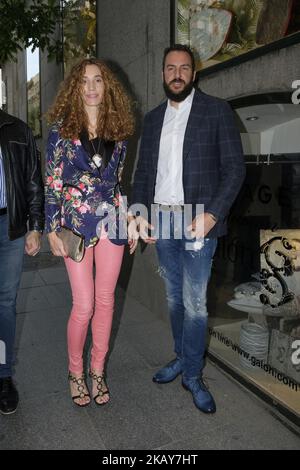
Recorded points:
(97,158)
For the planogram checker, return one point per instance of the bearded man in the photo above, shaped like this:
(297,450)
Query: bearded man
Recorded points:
(190,156)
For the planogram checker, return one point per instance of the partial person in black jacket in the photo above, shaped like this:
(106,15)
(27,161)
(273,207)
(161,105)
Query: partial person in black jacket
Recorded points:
(190,154)
(21,210)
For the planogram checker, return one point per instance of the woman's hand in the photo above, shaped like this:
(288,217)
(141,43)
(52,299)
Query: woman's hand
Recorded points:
(133,234)
(56,245)
(144,227)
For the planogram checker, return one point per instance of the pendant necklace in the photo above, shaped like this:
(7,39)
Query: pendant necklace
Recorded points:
(97,157)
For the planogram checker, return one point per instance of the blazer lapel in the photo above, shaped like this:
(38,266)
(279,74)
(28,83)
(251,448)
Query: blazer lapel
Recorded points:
(158,124)
(194,121)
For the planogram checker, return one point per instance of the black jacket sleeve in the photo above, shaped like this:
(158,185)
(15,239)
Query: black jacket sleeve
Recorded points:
(34,185)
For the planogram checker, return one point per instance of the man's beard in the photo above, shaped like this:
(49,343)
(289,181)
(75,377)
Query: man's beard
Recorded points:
(182,95)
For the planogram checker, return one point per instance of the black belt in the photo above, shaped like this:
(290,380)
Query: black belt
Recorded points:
(3,211)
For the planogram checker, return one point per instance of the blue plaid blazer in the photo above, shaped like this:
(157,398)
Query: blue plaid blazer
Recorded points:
(213,162)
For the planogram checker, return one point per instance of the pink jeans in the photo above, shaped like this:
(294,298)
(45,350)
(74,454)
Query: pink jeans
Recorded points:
(92,298)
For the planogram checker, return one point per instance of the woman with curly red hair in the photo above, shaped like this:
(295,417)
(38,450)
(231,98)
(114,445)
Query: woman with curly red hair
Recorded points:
(91,120)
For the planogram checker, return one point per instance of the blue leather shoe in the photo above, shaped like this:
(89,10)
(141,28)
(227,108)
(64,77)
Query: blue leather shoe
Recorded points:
(169,372)
(202,397)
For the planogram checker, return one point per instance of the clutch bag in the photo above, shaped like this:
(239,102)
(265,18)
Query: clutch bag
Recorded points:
(73,243)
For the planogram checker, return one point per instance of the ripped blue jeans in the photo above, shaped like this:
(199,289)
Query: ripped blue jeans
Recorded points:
(185,266)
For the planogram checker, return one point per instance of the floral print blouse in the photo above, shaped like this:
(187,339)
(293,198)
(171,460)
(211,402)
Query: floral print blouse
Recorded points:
(74,188)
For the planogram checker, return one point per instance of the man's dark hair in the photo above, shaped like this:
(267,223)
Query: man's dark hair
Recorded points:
(179,48)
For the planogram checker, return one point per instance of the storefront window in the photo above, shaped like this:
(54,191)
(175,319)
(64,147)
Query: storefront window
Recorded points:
(254,294)
(2,93)
(33,91)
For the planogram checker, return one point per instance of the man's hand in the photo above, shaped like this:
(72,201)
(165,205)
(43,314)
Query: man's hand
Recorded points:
(202,225)
(144,227)
(133,234)
(56,245)
(32,243)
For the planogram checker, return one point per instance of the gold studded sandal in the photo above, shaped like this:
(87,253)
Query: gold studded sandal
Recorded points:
(101,385)
(81,387)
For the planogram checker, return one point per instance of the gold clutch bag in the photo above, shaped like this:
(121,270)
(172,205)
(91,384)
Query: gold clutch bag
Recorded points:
(73,243)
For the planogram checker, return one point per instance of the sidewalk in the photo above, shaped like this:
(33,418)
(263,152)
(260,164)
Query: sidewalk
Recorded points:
(141,414)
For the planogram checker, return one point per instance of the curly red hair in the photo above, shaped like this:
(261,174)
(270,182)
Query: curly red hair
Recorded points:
(115,119)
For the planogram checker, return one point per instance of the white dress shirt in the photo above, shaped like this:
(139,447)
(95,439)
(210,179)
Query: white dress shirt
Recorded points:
(169,185)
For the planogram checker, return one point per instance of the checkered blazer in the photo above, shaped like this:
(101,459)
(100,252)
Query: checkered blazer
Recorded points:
(213,162)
